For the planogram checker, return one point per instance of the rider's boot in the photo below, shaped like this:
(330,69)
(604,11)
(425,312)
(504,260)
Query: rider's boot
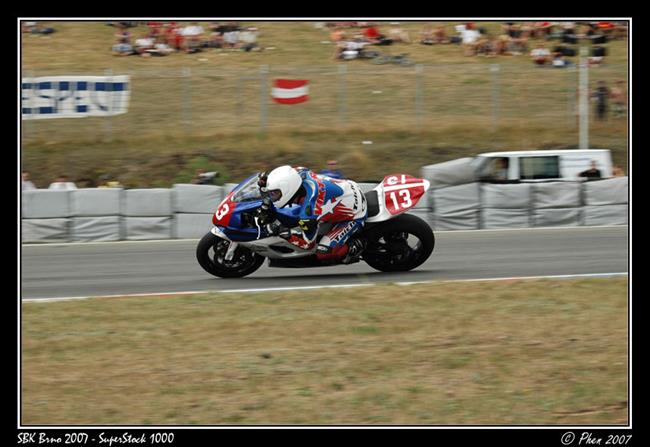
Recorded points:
(354,253)
(328,255)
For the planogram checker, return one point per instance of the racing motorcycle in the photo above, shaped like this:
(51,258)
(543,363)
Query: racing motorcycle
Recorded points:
(240,240)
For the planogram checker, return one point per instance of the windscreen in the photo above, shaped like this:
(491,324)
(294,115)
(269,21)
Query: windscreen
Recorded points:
(248,191)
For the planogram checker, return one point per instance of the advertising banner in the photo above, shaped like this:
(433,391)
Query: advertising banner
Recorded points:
(74,96)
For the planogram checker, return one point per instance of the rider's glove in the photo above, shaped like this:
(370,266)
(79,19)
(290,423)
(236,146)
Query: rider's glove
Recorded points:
(276,228)
(263,215)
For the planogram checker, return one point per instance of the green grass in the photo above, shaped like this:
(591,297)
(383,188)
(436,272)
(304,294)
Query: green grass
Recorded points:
(509,352)
(216,112)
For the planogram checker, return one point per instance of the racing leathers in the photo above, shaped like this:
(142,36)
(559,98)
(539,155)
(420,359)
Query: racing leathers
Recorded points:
(320,201)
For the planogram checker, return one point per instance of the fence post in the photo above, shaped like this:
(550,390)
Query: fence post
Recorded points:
(240,101)
(584,99)
(264,95)
(343,70)
(571,97)
(495,70)
(187,97)
(419,94)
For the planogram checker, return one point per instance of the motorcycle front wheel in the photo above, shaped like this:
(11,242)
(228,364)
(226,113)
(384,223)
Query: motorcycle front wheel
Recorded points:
(399,245)
(211,252)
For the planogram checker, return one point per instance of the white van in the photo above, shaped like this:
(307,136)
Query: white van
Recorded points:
(541,165)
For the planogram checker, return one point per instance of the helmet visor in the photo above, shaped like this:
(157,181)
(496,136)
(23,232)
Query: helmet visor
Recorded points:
(275,195)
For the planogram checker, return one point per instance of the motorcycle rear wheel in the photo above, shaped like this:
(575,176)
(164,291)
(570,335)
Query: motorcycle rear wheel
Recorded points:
(399,245)
(210,253)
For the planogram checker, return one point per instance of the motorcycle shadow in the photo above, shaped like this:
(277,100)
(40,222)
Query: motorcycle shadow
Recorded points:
(374,276)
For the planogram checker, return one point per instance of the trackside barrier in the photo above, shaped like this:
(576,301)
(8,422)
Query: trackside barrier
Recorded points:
(506,206)
(193,208)
(606,202)
(557,204)
(148,214)
(185,211)
(46,216)
(96,214)
(456,207)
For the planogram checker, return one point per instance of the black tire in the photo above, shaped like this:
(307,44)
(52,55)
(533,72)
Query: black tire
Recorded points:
(395,254)
(244,261)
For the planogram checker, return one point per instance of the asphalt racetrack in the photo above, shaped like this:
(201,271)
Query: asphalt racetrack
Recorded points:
(155,267)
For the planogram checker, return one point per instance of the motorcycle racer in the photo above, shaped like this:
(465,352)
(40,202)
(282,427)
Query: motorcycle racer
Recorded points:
(317,200)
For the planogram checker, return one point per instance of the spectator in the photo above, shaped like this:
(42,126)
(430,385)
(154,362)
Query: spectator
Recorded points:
(601,95)
(397,34)
(559,61)
(617,171)
(568,29)
(144,44)
(248,39)
(486,46)
(469,38)
(204,178)
(372,34)
(589,30)
(332,170)
(517,39)
(123,45)
(527,31)
(123,24)
(161,47)
(592,173)
(427,36)
(86,182)
(33,28)
(231,38)
(174,35)
(193,37)
(337,35)
(620,30)
(597,55)
(541,30)
(122,34)
(440,35)
(500,170)
(62,182)
(350,49)
(501,45)
(215,40)
(26,182)
(106,182)
(619,99)
(155,29)
(541,55)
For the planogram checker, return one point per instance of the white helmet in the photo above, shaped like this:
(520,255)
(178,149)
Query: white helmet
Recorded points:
(282,183)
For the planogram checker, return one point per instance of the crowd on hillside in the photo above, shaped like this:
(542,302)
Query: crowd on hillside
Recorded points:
(163,38)
(512,39)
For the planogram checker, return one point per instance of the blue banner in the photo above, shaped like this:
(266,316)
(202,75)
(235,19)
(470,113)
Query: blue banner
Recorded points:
(74,96)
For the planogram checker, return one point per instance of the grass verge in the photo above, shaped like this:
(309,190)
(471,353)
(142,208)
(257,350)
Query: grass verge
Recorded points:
(509,352)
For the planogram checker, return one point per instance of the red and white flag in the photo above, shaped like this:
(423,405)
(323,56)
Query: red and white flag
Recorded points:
(290,91)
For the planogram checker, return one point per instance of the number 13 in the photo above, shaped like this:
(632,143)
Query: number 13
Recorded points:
(406,196)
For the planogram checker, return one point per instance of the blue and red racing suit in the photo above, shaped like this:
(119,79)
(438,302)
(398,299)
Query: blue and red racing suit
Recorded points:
(327,201)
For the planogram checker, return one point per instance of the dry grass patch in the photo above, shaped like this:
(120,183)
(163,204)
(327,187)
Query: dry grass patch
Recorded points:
(521,352)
